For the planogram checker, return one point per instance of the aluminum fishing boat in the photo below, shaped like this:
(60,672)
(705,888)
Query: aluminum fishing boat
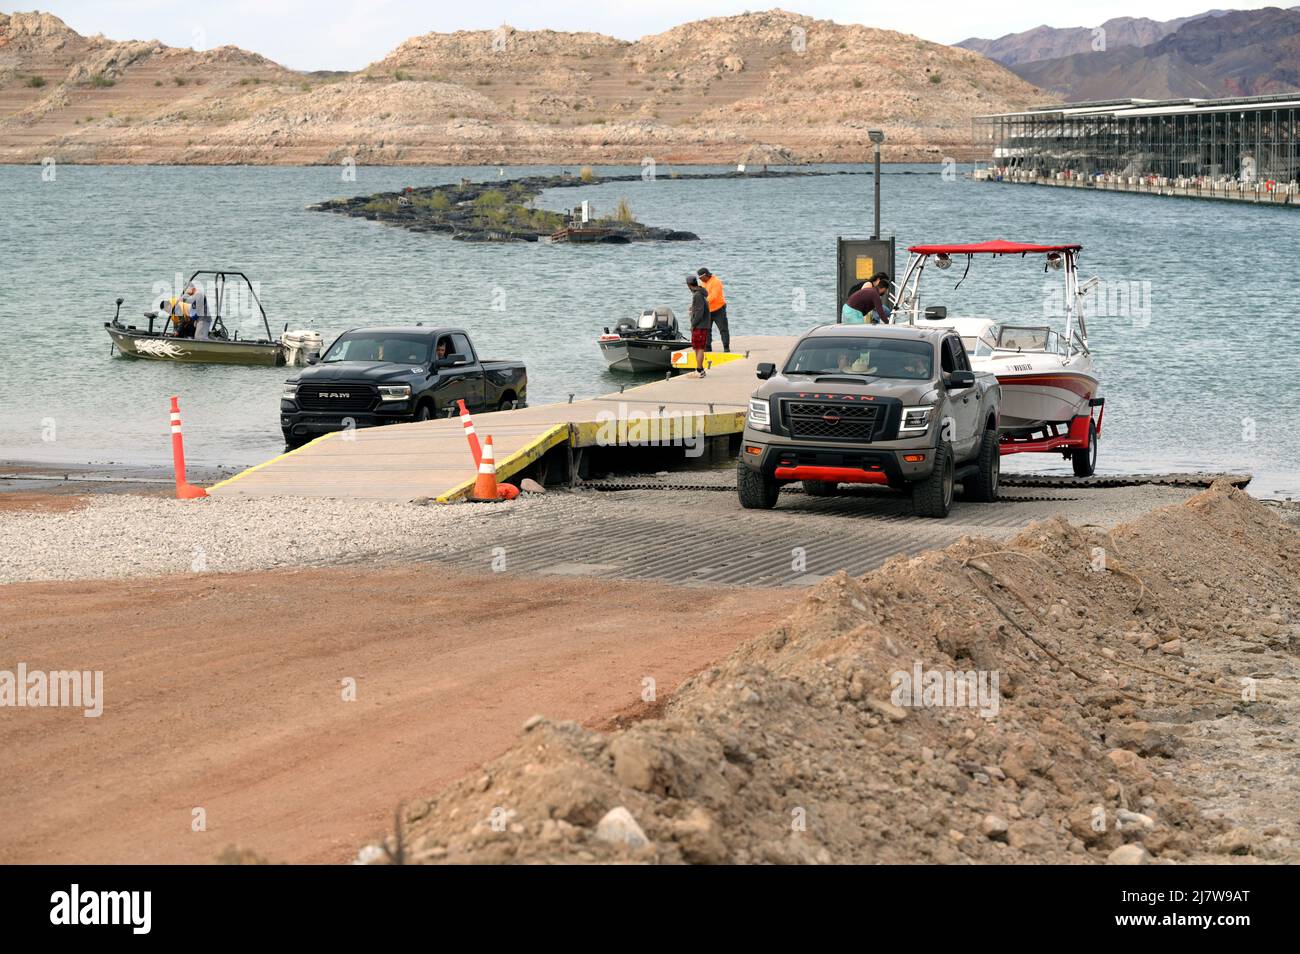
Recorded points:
(171,334)
(645,343)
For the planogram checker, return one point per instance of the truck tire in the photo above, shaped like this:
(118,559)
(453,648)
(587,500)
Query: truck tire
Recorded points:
(293,442)
(1084,459)
(984,485)
(424,412)
(757,491)
(820,488)
(932,497)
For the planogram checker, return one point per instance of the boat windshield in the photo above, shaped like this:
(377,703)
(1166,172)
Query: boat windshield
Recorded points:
(1028,338)
(880,357)
(370,346)
(985,343)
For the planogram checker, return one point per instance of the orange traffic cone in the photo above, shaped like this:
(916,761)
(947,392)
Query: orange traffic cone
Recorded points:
(470,435)
(485,487)
(184,489)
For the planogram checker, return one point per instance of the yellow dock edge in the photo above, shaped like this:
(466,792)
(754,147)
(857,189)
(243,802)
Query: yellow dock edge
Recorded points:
(684,360)
(268,463)
(508,466)
(650,430)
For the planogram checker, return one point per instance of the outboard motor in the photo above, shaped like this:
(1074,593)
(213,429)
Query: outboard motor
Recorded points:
(300,347)
(659,322)
(652,324)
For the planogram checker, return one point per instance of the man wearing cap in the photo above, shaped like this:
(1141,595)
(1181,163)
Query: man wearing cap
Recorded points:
(717,308)
(699,315)
(198,302)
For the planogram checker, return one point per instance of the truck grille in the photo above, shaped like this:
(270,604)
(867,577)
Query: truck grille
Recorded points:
(336,397)
(815,420)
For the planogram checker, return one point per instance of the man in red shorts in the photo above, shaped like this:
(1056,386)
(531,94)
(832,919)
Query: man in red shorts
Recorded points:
(699,321)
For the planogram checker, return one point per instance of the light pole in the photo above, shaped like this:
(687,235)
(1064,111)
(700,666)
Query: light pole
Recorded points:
(877,136)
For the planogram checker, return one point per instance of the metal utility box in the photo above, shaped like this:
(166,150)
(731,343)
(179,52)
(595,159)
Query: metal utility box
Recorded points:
(858,260)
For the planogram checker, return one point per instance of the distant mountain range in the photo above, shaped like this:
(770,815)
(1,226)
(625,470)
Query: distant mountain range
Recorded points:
(1216,53)
(1049,43)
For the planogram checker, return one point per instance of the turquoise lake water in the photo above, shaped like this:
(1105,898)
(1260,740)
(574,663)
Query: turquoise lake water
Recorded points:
(1199,370)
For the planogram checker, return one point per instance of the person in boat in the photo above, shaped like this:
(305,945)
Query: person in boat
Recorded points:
(176,311)
(198,305)
(717,308)
(868,303)
(700,325)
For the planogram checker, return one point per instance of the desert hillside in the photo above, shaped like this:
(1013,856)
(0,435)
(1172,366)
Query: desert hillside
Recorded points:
(702,92)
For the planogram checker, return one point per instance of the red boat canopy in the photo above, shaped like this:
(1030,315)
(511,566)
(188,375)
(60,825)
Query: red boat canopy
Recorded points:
(996,247)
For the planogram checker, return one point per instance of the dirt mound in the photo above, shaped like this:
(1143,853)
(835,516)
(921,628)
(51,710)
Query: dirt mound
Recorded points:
(1076,691)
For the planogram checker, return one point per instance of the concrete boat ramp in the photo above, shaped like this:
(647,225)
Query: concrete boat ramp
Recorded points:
(432,458)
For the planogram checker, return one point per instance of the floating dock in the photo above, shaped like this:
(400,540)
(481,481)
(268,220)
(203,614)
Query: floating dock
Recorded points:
(1259,193)
(432,459)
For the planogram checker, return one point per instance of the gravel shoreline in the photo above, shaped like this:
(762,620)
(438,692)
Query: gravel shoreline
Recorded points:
(125,535)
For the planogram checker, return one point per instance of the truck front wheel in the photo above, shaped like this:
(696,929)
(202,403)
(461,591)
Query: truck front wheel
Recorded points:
(757,491)
(984,485)
(932,497)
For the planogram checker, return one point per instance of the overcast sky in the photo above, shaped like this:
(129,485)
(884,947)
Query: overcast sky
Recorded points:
(348,34)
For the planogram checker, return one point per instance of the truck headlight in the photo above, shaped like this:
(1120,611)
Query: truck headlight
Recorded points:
(290,392)
(760,415)
(394,392)
(915,420)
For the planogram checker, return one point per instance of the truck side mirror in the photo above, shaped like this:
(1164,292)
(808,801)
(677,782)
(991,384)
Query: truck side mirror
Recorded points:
(451,360)
(961,380)
(765,370)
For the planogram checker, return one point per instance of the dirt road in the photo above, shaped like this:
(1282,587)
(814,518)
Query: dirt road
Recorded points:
(225,693)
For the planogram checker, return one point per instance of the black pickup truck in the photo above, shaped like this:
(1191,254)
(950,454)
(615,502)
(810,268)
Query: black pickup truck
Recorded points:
(373,376)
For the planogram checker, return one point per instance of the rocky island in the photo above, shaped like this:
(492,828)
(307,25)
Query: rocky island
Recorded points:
(503,211)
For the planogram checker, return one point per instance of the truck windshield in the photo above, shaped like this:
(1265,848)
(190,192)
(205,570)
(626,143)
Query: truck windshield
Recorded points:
(363,346)
(880,357)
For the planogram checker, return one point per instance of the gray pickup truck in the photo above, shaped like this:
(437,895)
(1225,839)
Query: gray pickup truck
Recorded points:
(873,404)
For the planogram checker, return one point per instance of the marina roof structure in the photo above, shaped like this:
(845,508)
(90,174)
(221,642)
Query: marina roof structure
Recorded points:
(1249,138)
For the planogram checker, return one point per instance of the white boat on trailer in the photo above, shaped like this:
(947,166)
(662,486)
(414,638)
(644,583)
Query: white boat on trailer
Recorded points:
(1050,389)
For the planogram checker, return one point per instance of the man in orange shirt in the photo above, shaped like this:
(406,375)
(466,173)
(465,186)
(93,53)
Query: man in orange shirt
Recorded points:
(717,308)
